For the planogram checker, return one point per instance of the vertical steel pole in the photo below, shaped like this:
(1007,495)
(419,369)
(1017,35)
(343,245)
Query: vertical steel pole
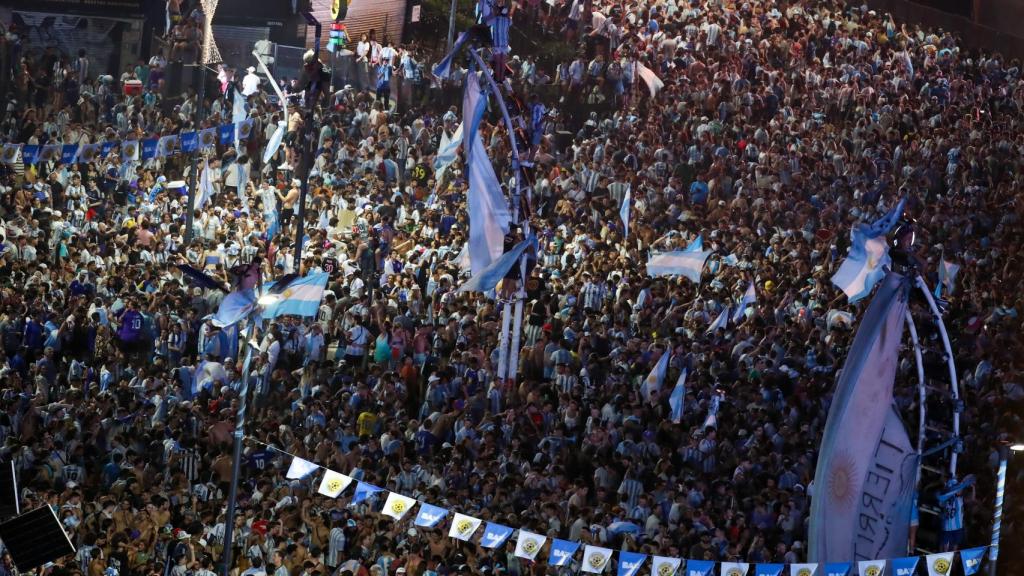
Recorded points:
(236,455)
(192,177)
(451,25)
(997,515)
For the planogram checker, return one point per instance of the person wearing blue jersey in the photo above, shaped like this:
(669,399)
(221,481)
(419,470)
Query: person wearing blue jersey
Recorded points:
(130,328)
(952,502)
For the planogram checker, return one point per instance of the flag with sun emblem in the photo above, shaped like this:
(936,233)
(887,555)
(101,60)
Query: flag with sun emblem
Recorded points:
(939,564)
(10,153)
(807,569)
(871,568)
(50,152)
(463,527)
(529,544)
(130,151)
(867,468)
(333,484)
(207,138)
(595,559)
(244,129)
(168,146)
(735,568)
(88,152)
(664,566)
(397,505)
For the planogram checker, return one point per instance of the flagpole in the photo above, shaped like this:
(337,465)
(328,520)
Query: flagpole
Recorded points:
(236,455)
(997,515)
(511,370)
(192,188)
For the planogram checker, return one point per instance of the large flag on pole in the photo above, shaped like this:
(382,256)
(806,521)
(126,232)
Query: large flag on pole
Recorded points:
(864,481)
(488,278)
(488,211)
(868,257)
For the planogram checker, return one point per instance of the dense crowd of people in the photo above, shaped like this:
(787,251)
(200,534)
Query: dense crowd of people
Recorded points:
(779,126)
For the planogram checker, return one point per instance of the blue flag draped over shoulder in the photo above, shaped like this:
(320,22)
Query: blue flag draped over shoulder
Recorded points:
(429,515)
(867,467)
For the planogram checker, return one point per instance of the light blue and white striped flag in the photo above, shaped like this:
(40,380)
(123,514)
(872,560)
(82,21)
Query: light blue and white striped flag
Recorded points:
(624,211)
(678,263)
(721,322)
(652,384)
(749,297)
(675,401)
(301,298)
(868,259)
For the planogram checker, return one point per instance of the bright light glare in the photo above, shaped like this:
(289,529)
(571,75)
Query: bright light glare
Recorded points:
(269,300)
(1017,447)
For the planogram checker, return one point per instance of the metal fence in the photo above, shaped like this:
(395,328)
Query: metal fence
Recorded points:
(287,62)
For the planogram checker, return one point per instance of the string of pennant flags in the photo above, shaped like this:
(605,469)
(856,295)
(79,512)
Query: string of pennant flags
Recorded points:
(131,150)
(598,559)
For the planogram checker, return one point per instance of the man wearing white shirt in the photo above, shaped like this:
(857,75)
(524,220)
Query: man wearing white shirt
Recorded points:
(251,82)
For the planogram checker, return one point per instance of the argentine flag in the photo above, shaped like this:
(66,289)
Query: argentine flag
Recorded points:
(652,384)
(749,297)
(301,298)
(721,322)
(868,258)
(675,401)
